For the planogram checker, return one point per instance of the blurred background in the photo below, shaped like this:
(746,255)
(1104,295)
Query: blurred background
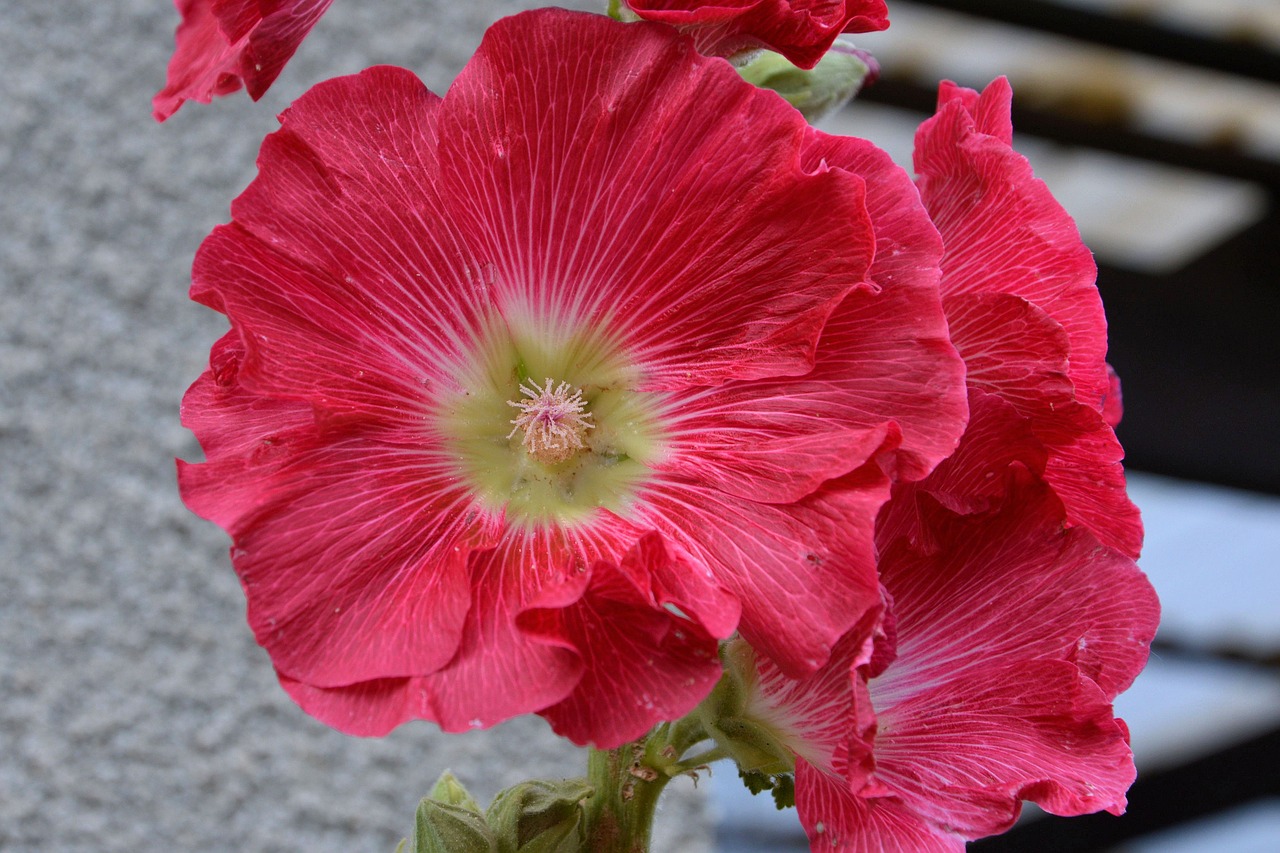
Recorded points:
(136,712)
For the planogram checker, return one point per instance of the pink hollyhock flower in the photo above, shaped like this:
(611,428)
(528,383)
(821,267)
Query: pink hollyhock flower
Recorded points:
(1004,640)
(225,44)
(800,30)
(1019,290)
(534,391)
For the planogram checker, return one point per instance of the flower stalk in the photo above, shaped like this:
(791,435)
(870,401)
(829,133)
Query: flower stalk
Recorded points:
(628,781)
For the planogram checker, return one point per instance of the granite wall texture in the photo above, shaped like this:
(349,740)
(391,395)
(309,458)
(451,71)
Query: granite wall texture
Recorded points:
(136,711)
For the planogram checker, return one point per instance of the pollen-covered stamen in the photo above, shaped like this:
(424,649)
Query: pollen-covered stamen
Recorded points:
(554,421)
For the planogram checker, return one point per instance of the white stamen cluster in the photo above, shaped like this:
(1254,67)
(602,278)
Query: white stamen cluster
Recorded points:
(554,421)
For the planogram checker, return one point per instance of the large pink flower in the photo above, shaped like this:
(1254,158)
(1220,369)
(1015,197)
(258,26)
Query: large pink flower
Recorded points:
(534,391)
(989,681)
(1020,295)
(225,44)
(800,30)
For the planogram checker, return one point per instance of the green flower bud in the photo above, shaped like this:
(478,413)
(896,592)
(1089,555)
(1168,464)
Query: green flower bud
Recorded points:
(539,816)
(445,828)
(450,791)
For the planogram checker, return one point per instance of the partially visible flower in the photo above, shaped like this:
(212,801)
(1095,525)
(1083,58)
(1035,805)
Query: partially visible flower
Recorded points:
(225,44)
(800,30)
(533,392)
(1004,639)
(1019,291)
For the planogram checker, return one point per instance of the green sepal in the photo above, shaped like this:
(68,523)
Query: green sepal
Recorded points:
(753,746)
(445,828)
(817,92)
(756,782)
(726,717)
(784,791)
(539,816)
(450,791)
(782,786)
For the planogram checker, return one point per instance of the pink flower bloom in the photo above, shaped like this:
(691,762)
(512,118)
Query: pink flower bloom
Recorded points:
(800,30)
(1019,291)
(534,391)
(225,44)
(989,681)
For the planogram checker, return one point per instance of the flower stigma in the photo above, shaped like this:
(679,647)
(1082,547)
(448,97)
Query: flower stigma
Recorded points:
(554,421)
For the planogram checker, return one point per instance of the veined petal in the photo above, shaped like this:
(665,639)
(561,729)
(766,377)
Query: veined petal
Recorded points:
(392,537)
(837,820)
(755,253)
(963,753)
(885,361)
(643,663)
(1003,230)
(803,573)
(1009,585)
(1015,350)
(498,672)
(341,267)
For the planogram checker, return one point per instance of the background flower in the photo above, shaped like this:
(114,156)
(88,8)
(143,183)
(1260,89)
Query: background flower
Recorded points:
(1004,640)
(800,30)
(1019,290)
(410,275)
(225,44)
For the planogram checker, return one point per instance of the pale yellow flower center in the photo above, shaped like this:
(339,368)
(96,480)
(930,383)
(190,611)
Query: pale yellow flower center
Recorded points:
(583,438)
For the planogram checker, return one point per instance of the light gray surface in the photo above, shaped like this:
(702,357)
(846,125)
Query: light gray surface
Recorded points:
(136,712)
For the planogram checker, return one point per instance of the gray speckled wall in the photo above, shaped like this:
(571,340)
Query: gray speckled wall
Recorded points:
(136,712)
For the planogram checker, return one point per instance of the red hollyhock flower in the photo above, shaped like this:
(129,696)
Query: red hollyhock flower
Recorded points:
(534,391)
(1020,295)
(800,30)
(989,681)
(224,44)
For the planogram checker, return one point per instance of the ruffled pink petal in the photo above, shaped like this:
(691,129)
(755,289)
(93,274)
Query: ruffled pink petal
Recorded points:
(340,270)
(997,443)
(386,528)
(1003,230)
(803,573)
(1013,585)
(1015,350)
(801,30)
(772,450)
(887,348)
(664,204)
(499,671)
(643,663)
(838,821)
(224,44)
(964,753)
(884,358)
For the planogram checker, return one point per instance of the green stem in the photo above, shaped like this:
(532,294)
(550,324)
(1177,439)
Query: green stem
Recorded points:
(702,759)
(619,816)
